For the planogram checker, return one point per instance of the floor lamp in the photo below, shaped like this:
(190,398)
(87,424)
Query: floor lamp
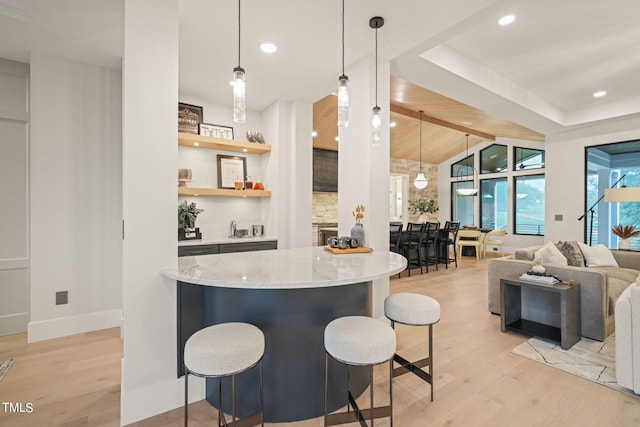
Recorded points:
(607,195)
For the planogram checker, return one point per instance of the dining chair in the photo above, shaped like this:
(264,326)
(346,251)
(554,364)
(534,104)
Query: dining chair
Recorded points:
(469,238)
(410,245)
(490,240)
(429,244)
(447,238)
(395,235)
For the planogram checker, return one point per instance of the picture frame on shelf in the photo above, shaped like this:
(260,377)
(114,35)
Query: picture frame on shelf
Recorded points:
(189,118)
(216,131)
(230,170)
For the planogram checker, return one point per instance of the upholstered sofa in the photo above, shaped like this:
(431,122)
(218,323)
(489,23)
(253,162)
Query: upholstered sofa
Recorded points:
(628,338)
(600,288)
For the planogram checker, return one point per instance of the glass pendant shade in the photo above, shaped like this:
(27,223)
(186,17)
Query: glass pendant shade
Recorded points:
(376,125)
(343,101)
(239,98)
(421,181)
(467,191)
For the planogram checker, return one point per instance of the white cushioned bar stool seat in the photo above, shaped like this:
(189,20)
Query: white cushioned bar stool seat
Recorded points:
(414,310)
(359,341)
(223,350)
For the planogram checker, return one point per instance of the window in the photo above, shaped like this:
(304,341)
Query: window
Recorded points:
(493,203)
(529,205)
(493,159)
(463,168)
(527,158)
(461,206)
(605,165)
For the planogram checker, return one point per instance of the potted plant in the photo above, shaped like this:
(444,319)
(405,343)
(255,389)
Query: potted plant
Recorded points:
(625,232)
(423,207)
(187,215)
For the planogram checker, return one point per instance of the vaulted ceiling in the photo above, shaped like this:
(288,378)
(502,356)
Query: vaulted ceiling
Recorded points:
(527,80)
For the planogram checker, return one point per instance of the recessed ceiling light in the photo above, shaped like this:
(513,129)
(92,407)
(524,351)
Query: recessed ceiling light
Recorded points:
(599,94)
(196,144)
(506,20)
(392,124)
(467,123)
(268,47)
(314,134)
(337,138)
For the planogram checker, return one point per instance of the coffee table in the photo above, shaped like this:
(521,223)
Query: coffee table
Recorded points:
(567,298)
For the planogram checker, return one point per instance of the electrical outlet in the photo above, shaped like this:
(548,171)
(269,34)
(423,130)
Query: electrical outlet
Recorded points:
(495,249)
(62,297)
(558,217)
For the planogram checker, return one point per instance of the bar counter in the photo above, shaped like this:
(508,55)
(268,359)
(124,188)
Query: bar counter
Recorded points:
(291,295)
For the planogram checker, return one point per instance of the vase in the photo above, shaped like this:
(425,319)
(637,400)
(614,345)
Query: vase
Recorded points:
(623,244)
(357,232)
(423,218)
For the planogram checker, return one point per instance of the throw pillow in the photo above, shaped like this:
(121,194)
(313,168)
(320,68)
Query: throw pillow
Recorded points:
(550,254)
(597,256)
(572,253)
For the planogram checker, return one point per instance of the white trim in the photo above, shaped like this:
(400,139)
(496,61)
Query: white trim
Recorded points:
(14,263)
(13,323)
(63,326)
(155,398)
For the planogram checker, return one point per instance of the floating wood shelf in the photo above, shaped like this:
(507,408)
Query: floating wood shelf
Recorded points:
(201,141)
(221,192)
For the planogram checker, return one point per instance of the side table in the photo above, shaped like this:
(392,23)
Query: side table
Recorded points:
(568,297)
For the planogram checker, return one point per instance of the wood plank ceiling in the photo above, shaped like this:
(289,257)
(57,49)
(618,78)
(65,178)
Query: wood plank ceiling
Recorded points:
(445,123)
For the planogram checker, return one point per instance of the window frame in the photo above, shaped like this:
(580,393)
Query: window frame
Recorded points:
(515,202)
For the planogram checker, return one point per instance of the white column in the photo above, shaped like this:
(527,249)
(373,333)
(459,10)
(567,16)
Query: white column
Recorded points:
(363,169)
(150,100)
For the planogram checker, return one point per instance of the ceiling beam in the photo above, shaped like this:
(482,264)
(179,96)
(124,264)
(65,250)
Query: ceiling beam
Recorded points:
(416,115)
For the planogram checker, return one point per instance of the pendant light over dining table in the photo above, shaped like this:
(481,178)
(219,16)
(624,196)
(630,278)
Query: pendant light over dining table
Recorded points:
(421,181)
(343,88)
(238,83)
(473,191)
(376,120)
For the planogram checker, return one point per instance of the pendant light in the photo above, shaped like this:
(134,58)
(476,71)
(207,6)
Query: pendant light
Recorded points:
(343,89)
(421,181)
(239,98)
(469,191)
(376,121)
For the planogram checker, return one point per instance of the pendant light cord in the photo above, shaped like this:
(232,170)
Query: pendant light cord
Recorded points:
(376,66)
(421,141)
(343,37)
(239,33)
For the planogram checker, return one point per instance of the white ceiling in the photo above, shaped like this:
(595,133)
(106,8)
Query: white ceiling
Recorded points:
(539,72)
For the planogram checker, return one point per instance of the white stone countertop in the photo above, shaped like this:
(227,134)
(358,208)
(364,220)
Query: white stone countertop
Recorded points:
(219,240)
(294,268)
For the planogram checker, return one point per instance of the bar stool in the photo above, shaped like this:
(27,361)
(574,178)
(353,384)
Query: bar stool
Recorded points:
(358,341)
(414,310)
(223,350)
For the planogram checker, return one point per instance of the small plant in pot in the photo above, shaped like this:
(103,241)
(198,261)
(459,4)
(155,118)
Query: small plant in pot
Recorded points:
(187,215)
(423,207)
(625,232)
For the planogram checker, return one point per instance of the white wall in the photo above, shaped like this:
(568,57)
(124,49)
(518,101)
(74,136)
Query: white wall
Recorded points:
(150,153)
(75,197)
(565,173)
(14,228)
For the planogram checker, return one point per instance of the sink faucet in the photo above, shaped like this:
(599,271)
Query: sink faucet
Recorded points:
(232,229)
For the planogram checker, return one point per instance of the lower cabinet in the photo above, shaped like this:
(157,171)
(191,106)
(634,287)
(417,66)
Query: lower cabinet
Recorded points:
(225,248)
(247,247)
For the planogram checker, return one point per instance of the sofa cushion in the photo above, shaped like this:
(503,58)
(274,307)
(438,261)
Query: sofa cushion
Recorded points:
(571,252)
(628,275)
(597,256)
(616,288)
(550,254)
(526,254)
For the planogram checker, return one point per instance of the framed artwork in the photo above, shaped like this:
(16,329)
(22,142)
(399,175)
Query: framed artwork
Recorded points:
(189,118)
(216,131)
(230,170)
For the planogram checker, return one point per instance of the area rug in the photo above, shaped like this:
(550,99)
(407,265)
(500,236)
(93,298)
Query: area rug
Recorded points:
(4,367)
(589,359)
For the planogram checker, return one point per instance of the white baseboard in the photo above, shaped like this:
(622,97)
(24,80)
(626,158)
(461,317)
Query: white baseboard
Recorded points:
(64,326)
(153,399)
(13,323)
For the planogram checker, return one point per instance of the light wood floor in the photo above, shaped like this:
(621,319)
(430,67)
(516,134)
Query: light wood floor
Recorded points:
(74,381)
